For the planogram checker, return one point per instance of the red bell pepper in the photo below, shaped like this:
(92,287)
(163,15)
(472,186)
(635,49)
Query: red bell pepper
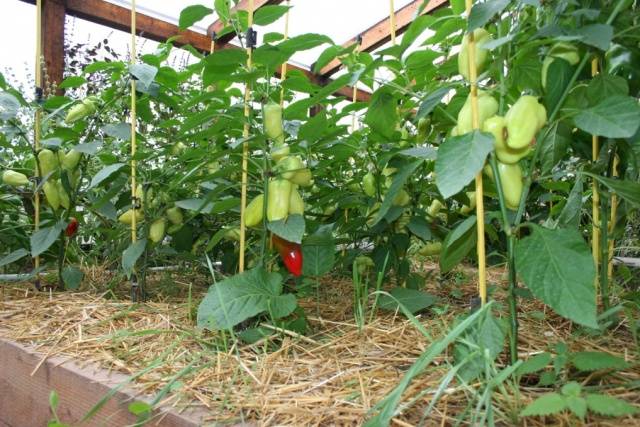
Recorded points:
(291,254)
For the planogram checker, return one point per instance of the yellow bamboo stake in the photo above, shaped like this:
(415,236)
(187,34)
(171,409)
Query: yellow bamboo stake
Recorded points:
(475,119)
(612,223)
(354,96)
(245,148)
(37,124)
(134,120)
(595,200)
(392,21)
(283,69)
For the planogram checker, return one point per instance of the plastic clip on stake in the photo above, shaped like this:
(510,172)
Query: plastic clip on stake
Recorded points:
(251,38)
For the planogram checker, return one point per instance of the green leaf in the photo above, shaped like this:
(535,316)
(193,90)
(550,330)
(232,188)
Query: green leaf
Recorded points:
(526,72)
(431,101)
(138,408)
(588,361)
(118,130)
(566,287)
(382,114)
(42,239)
(303,42)
(144,73)
(412,299)
(318,253)
(131,255)
(558,77)
(72,277)
(577,405)
(534,364)
(223,10)
(72,82)
(610,406)
(458,243)
(547,404)
(89,148)
(13,257)
(605,85)
(596,35)
(282,305)
(481,13)
(54,400)
(459,161)
(269,14)
(192,14)
(290,228)
(420,227)
(398,181)
(105,173)
(426,153)
(9,106)
(628,190)
(555,146)
(240,297)
(613,117)
(570,215)
(198,205)
(571,388)
(328,55)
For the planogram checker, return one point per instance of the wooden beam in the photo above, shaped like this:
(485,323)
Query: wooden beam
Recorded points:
(118,17)
(53,16)
(379,34)
(218,25)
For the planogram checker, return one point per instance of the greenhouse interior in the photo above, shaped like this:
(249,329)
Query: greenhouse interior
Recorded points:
(320,213)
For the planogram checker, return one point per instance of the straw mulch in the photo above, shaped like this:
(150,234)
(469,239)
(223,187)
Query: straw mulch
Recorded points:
(332,376)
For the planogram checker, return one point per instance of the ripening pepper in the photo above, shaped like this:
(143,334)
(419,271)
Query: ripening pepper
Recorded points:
(273,122)
(369,184)
(363,264)
(296,204)
(497,126)
(127,217)
(402,198)
(565,51)
(71,160)
(278,199)
(512,185)
(434,207)
(291,254)
(430,249)
(51,193)
(15,179)
(72,227)
(81,110)
(487,107)
(48,161)
(289,166)
(254,213)
(232,234)
(65,201)
(279,152)
(157,230)
(481,36)
(174,215)
(303,178)
(524,119)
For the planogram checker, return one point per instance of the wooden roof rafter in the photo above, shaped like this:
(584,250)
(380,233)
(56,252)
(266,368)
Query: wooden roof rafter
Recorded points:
(118,17)
(379,33)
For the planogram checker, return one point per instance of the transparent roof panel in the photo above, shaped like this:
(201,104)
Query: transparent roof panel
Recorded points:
(339,19)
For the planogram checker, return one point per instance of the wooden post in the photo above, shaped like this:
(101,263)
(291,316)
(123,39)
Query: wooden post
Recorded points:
(53,17)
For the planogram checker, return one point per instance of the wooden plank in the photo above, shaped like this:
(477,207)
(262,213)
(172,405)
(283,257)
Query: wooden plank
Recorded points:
(379,34)
(218,25)
(24,399)
(53,15)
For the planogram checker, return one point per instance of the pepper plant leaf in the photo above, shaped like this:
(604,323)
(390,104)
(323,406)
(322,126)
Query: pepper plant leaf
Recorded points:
(567,287)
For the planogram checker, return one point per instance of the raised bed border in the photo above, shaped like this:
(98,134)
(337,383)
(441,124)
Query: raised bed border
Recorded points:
(24,398)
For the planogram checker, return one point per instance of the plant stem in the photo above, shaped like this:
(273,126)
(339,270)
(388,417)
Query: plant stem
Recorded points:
(513,303)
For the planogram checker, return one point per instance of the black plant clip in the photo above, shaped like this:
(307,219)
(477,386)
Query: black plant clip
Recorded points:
(137,203)
(214,36)
(359,39)
(251,38)
(39,95)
